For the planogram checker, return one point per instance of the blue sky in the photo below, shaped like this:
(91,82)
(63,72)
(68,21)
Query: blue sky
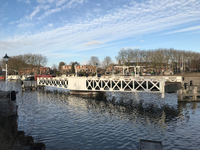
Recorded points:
(75,30)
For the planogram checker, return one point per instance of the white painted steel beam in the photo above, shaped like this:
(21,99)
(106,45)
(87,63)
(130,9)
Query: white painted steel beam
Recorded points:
(118,83)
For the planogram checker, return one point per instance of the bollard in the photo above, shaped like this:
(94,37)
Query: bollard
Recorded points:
(12,96)
(185,85)
(194,92)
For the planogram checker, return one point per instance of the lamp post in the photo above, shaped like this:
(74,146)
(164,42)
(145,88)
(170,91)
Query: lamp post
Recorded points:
(6,58)
(96,68)
(112,70)
(75,68)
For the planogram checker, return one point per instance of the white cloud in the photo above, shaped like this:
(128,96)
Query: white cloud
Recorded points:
(141,40)
(58,9)
(61,2)
(50,25)
(185,30)
(25,24)
(92,43)
(37,9)
(137,19)
(5,19)
(45,7)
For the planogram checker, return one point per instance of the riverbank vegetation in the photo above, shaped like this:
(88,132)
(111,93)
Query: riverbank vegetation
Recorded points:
(160,57)
(16,63)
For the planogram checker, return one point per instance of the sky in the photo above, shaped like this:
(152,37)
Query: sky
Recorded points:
(75,30)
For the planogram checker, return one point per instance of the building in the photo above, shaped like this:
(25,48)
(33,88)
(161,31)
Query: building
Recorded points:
(86,68)
(80,68)
(36,70)
(66,68)
(28,71)
(45,70)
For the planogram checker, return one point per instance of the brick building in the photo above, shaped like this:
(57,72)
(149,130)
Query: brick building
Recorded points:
(86,68)
(36,70)
(81,68)
(66,68)
(45,70)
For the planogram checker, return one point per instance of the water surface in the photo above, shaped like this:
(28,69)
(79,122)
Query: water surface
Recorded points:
(109,121)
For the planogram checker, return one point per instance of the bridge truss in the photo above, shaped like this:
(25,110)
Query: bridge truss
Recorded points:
(122,84)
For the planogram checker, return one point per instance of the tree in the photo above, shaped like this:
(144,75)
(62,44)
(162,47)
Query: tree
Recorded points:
(60,65)
(125,56)
(73,69)
(121,56)
(93,60)
(16,63)
(106,62)
(54,68)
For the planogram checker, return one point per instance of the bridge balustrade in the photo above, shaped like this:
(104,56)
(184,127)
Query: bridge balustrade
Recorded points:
(122,84)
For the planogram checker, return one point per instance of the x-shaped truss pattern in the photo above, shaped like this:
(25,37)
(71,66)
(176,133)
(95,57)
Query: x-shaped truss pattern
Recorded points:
(106,84)
(54,82)
(123,85)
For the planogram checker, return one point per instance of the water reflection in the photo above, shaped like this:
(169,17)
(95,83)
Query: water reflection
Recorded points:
(108,121)
(133,109)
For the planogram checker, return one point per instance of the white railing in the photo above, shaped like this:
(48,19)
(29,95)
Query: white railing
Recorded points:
(123,84)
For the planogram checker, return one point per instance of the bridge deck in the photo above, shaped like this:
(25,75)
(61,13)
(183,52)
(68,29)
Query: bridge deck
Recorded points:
(111,83)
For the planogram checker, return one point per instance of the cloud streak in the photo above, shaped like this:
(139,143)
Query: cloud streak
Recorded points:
(127,21)
(185,30)
(92,43)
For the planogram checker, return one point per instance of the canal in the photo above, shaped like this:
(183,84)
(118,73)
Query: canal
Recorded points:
(108,121)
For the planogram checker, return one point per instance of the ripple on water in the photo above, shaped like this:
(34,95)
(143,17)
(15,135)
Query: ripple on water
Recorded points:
(116,121)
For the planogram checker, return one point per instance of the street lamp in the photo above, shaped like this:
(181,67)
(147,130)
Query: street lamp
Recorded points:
(75,67)
(112,69)
(6,58)
(96,68)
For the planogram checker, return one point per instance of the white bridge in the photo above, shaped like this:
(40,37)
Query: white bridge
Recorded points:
(112,83)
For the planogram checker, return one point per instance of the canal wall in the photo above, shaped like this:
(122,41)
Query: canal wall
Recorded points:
(11,138)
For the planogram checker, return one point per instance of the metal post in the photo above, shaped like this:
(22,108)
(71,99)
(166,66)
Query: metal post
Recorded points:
(96,71)
(135,70)
(6,73)
(75,64)
(6,58)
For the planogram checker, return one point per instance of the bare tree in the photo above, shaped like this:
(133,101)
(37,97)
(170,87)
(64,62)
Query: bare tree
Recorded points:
(54,68)
(93,60)
(135,55)
(106,62)
(125,56)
